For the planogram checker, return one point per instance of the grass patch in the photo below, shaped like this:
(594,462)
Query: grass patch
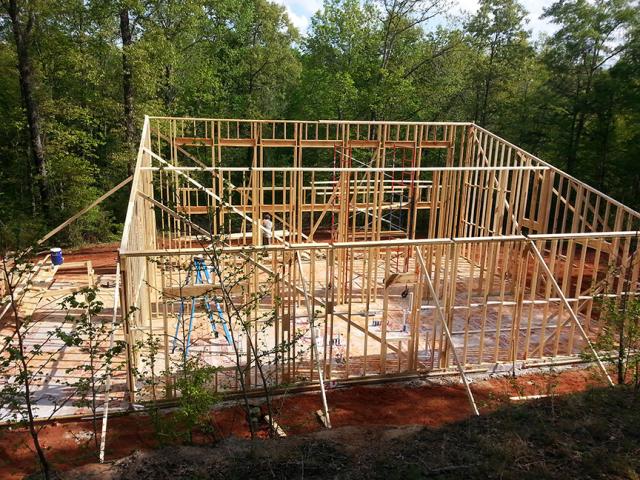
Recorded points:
(595,434)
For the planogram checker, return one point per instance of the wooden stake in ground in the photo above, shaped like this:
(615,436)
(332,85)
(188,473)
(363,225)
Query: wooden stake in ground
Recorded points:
(314,346)
(445,327)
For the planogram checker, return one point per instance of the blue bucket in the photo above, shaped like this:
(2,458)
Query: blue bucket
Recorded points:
(56,256)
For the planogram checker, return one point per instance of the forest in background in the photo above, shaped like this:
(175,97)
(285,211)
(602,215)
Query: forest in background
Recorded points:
(77,77)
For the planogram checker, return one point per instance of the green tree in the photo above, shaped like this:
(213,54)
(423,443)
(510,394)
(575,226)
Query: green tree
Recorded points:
(584,45)
(502,50)
(76,94)
(338,58)
(22,18)
(623,141)
(196,396)
(619,337)
(377,60)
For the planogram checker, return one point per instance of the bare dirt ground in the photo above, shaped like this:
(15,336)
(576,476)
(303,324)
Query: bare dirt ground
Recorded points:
(103,256)
(592,434)
(365,411)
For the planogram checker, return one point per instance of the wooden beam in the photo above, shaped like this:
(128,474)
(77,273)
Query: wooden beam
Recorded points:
(84,210)
(278,430)
(175,215)
(400,278)
(425,274)
(186,291)
(314,345)
(510,168)
(193,141)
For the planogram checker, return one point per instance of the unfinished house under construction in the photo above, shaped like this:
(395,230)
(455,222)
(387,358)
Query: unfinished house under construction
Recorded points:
(372,249)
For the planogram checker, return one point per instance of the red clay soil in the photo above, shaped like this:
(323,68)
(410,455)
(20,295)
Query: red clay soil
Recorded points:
(68,444)
(103,257)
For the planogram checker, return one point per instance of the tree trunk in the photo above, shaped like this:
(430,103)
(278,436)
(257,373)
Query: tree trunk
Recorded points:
(485,102)
(576,145)
(487,85)
(572,148)
(167,91)
(602,166)
(127,87)
(22,35)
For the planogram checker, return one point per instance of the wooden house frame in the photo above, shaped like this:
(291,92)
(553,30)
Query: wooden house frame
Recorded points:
(420,247)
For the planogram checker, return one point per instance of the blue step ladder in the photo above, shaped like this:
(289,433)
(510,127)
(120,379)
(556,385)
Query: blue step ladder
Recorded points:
(202,277)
